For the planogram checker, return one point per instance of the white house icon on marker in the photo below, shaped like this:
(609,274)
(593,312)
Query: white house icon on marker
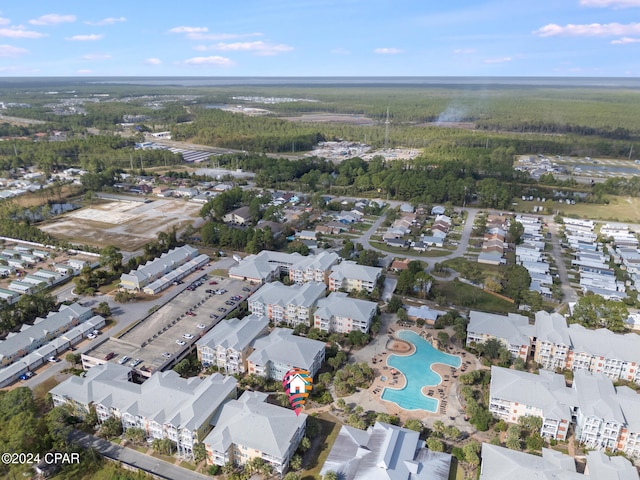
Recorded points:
(297,385)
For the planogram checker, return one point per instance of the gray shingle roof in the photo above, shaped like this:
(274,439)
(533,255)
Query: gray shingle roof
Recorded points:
(235,334)
(514,328)
(499,463)
(339,304)
(252,422)
(384,452)
(164,398)
(352,270)
(275,293)
(282,346)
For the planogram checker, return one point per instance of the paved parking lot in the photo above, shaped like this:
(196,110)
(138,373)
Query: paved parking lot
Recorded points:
(193,313)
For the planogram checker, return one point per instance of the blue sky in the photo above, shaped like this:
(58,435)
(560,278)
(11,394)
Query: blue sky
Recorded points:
(321,38)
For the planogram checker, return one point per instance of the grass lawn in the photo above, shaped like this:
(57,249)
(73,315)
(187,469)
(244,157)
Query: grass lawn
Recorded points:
(188,465)
(104,289)
(328,434)
(219,272)
(465,295)
(620,208)
(166,458)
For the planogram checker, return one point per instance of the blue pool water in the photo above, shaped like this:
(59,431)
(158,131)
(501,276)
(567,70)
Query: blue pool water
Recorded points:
(417,371)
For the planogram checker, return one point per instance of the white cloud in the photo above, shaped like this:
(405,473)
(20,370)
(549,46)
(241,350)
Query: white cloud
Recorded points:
(340,51)
(498,60)
(387,51)
(589,30)
(258,47)
(214,60)
(96,56)
(625,41)
(220,36)
(84,71)
(184,29)
(153,61)
(4,21)
(11,51)
(85,38)
(610,3)
(19,32)
(464,51)
(53,19)
(107,21)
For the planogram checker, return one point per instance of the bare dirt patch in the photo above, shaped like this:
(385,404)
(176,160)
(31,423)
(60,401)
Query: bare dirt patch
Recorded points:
(127,225)
(332,118)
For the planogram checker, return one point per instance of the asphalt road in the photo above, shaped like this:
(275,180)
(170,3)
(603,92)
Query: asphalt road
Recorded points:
(149,464)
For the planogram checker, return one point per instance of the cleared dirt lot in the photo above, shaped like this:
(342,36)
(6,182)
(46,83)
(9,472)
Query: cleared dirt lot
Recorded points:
(125,224)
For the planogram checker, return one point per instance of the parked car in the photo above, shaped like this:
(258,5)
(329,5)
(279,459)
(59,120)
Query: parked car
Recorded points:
(52,359)
(91,336)
(202,326)
(181,342)
(213,282)
(26,375)
(246,289)
(135,363)
(213,315)
(109,355)
(123,360)
(166,355)
(188,336)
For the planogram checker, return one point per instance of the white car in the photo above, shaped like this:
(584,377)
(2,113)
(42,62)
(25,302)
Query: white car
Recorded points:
(181,342)
(91,336)
(166,355)
(52,359)
(202,326)
(188,336)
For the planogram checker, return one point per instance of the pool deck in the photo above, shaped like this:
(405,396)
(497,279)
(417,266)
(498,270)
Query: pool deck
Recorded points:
(446,392)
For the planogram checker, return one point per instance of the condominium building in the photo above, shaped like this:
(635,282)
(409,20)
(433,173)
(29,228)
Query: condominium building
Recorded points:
(350,276)
(499,463)
(314,268)
(514,394)
(280,351)
(290,304)
(165,406)
(339,313)
(604,416)
(228,344)
(250,428)
(512,330)
(573,347)
(384,452)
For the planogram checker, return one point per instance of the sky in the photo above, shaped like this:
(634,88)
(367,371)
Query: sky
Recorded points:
(586,38)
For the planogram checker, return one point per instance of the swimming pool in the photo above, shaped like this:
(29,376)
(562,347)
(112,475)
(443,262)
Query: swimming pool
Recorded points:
(417,371)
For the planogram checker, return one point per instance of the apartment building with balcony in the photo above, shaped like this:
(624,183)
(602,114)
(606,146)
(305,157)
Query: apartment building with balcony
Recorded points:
(512,330)
(514,394)
(350,276)
(250,428)
(339,313)
(165,406)
(289,304)
(314,268)
(280,351)
(603,416)
(228,344)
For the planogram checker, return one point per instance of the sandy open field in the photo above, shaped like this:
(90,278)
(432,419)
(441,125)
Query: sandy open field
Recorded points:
(127,225)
